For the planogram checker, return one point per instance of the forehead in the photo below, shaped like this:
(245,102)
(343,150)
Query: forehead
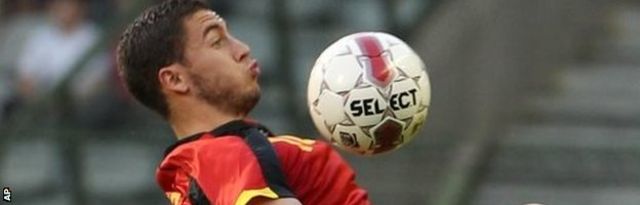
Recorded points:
(203,17)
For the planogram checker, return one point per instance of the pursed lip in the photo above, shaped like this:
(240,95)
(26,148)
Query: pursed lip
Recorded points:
(254,68)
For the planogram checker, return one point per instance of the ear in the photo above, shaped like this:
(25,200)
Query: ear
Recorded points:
(173,78)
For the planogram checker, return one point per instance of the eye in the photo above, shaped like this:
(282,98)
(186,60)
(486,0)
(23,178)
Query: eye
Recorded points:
(217,42)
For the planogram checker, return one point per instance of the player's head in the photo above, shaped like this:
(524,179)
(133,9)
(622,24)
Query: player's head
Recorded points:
(67,13)
(181,51)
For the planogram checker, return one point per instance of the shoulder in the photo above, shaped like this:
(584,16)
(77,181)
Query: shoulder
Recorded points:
(192,150)
(89,31)
(295,151)
(207,143)
(40,35)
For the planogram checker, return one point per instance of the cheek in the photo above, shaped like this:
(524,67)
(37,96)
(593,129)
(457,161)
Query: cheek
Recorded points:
(220,68)
(226,78)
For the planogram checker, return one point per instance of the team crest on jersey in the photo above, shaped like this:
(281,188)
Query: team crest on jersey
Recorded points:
(175,198)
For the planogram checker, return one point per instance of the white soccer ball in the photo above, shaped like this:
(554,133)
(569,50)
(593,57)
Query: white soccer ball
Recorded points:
(368,93)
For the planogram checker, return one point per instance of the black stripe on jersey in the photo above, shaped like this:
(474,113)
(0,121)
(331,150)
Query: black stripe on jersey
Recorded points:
(231,128)
(196,195)
(271,169)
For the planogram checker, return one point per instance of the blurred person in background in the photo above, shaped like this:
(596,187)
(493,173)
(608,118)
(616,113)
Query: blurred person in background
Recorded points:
(179,59)
(53,50)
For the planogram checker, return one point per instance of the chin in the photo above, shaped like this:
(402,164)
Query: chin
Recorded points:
(251,99)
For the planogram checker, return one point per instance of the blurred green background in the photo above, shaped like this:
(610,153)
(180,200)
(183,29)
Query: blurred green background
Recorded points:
(533,101)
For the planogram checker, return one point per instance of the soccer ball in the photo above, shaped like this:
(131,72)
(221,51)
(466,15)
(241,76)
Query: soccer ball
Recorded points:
(368,93)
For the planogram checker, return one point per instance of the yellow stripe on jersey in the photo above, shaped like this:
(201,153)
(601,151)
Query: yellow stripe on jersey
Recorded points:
(247,195)
(303,141)
(304,145)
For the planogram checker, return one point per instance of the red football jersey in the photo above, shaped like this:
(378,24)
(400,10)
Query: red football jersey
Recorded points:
(238,162)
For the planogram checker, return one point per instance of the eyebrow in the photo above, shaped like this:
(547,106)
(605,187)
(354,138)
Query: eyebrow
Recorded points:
(209,28)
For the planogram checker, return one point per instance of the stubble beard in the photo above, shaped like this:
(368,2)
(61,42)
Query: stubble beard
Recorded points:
(238,101)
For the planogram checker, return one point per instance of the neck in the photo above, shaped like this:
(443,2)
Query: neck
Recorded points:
(192,120)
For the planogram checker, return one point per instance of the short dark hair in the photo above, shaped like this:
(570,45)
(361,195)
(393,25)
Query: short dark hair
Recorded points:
(154,40)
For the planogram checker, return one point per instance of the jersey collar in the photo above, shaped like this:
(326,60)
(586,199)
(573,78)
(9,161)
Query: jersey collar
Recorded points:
(232,128)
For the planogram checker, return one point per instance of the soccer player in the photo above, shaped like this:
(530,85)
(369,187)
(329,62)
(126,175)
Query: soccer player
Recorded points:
(179,59)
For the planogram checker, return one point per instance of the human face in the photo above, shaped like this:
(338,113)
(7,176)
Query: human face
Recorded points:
(220,67)
(66,13)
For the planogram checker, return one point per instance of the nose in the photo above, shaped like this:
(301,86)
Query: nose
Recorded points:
(240,50)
